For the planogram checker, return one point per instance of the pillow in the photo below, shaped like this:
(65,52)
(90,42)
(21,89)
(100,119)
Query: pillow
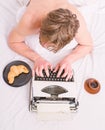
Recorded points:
(23,2)
(82,2)
(74,2)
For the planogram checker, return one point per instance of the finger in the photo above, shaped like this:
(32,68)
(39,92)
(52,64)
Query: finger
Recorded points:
(56,68)
(36,71)
(69,76)
(50,67)
(40,71)
(47,71)
(33,72)
(47,68)
(59,72)
(64,72)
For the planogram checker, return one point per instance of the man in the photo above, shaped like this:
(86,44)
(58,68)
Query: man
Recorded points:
(57,22)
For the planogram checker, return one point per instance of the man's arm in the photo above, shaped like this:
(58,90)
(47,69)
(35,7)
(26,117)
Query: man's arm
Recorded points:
(16,41)
(79,52)
(83,38)
(84,47)
(16,38)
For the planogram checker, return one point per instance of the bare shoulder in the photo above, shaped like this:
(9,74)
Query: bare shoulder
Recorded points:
(83,36)
(74,10)
(26,26)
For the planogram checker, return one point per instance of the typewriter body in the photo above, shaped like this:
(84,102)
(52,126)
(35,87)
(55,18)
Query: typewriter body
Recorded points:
(54,92)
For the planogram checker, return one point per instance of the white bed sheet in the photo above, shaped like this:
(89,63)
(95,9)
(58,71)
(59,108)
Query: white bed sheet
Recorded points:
(14,113)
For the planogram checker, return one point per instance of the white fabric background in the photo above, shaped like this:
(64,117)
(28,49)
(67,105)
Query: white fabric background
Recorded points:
(14,113)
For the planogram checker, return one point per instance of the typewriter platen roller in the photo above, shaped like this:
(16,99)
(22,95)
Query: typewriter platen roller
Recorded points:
(53,95)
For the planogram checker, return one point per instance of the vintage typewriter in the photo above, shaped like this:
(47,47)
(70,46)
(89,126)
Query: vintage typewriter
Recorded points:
(53,92)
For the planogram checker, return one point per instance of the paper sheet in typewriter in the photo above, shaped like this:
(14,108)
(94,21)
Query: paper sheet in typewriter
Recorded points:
(43,114)
(53,112)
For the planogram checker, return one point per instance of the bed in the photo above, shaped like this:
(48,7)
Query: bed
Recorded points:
(14,102)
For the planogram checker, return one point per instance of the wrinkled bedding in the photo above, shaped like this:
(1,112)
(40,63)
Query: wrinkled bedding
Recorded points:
(14,102)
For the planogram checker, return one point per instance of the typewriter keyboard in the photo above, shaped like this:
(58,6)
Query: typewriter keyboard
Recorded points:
(52,77)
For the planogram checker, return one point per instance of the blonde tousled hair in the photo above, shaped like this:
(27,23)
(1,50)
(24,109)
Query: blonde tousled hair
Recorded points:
(59,27)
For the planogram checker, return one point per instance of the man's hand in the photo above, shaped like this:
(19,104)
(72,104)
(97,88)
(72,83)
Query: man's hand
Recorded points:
(66,66)
(41,64)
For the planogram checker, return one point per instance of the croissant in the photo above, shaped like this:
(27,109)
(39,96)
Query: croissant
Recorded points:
(16,70)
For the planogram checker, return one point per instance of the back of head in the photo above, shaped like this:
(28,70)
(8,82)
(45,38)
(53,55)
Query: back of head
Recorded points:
(59,27)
